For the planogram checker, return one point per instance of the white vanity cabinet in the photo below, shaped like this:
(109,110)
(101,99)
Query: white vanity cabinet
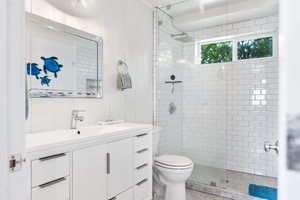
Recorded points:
(120,166)
(142,166)
(113,166)
(50,177)
(104,171)
(89,173)
(127,195)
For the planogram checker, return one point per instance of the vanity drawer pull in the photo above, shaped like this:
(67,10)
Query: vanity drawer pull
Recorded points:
(108,163)
(52,182)
(114,198)
(142,182)
(142,135)
(52,157)
(141,151)
(141,167)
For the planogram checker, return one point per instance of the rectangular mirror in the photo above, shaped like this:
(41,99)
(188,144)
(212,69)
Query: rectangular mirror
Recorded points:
(62,61)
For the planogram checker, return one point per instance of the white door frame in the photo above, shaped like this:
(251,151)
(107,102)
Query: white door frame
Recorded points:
(12,98)
(289,103)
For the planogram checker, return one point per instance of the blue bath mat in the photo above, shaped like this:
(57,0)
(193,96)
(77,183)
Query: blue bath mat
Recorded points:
(263,192)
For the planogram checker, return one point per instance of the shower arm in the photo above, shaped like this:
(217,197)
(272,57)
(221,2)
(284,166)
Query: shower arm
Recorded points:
(180,34)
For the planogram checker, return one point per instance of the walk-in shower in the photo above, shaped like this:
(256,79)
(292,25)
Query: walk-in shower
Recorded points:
(227,102)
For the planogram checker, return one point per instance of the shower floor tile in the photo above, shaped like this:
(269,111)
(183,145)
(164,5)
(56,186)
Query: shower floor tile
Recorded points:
(239,182)
(195,195)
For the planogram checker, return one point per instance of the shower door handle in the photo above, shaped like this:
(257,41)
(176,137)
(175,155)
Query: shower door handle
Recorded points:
(268,146)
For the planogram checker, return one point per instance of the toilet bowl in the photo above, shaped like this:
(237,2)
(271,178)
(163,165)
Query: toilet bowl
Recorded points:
(169,173)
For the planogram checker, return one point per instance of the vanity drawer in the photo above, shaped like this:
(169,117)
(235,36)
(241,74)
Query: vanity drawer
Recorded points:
(141,173)
(49,168)
(141,142)
(141,157)
(141,190)
(56,190)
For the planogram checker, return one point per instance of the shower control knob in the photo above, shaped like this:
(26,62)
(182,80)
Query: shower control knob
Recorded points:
(172,108)
(268,146)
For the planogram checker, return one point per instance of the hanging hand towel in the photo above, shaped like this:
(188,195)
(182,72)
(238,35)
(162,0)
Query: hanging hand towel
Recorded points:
(123,81)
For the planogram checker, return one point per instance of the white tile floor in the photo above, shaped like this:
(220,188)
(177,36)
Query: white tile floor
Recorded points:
(195,195)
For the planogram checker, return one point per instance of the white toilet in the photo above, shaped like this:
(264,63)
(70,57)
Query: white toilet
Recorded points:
(169,173)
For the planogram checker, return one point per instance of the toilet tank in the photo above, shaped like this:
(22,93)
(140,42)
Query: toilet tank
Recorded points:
(156,130)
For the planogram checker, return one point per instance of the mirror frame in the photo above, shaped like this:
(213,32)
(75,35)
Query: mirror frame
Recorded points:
(62,93)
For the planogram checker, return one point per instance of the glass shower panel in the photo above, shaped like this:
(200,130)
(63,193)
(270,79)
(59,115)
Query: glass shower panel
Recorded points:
(168,83)
(202,95)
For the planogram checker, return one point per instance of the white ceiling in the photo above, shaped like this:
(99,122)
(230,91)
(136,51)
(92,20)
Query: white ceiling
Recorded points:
(195,14)
(66,7)
(190,14)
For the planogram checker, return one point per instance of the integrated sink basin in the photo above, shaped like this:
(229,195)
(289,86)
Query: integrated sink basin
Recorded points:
(58,138)
(85,131)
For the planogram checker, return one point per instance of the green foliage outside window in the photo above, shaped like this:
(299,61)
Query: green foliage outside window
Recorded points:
(257,48)
(221,52)
(216,52)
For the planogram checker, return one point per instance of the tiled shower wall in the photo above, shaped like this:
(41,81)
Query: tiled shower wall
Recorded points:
(167,62)
(231,108)
(225,111)
(86,68)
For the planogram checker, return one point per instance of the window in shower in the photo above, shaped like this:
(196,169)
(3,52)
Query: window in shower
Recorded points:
(219,52)
(255,48)
(236,48)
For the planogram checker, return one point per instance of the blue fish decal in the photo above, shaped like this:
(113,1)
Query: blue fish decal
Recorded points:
(51,65)
(32,69)
(45,80)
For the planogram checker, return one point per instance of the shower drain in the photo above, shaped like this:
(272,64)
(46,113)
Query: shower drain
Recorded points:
(213,184)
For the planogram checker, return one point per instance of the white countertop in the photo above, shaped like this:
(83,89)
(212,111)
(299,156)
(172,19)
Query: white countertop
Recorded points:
(57,138)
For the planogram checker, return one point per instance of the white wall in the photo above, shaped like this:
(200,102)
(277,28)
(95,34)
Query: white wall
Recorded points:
(126,27)
(232,111)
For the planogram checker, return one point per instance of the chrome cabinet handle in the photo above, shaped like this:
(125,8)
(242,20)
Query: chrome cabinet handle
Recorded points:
(108,163)
(144,134)
(142,166)
(52,182)
(142,182)
(52,157)
(141,151)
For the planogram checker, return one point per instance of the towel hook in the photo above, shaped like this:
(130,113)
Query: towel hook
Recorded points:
(120,63)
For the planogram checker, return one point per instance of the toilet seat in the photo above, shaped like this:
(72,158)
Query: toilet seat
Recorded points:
(173,162)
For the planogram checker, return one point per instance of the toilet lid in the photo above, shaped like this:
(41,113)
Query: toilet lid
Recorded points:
(172,160)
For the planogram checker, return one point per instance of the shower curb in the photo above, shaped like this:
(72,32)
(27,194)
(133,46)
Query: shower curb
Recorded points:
(219,191)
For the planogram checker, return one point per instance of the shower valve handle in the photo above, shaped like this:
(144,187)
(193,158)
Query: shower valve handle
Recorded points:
(268,146)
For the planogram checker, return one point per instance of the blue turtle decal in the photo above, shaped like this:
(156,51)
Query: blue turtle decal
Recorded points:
(51,65)
(45,80)
(32,69)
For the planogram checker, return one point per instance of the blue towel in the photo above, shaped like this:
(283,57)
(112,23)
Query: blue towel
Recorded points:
(263,192)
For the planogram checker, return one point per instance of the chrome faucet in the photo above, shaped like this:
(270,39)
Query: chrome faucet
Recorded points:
(76,118)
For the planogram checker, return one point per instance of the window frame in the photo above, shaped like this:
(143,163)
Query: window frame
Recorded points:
(235,39)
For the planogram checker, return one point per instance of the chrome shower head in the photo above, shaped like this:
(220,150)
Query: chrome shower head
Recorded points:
(183,37)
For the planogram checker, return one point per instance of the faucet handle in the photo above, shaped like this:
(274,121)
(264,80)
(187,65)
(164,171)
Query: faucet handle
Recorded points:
(75,112)
(78,110)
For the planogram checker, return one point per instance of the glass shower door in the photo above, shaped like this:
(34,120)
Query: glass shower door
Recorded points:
(197,129)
